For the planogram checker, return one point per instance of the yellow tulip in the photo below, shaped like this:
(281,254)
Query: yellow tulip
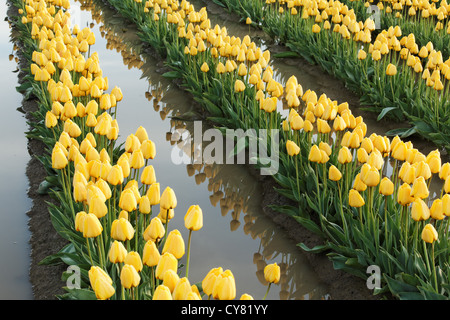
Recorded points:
(129,277)
(391,70)
(128,200)
(193,220)
(182,289)
(419,210)
(117,252)
(210,280)
(141,134)
(150,255)
(419,188)
(174,244)
(239,86)
(246,296)
(122,230)
(101,283)
(148,176)
(162,293)
(144,205)
(292,148)
(344,155)
(154,193)
(168,199)
(50,120)
(224,286)
(167,262)
(355,199)
(429,234)
(148,149)
(437,210)
(272,273)
(115,175)
(133,258)
(155,230)
(59,159)
(91,226)
(79,221)
(334,174)
(386,187)
(315,155)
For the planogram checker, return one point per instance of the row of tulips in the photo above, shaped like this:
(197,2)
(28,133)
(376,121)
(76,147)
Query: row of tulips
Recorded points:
(106,194)
(394,74)
(337,175)
(235,191)
(427,21)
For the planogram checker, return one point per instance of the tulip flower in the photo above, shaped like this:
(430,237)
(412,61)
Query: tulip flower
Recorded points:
(386,187)
(391,70)
(419,188)
(101,283)
(224,286)
(155,230)
(129,277)
(150,255)
(128,200)
(162,292)
(429,233)
(154,194)
(315,155)
(117,252)
(168,199)
(115,175)
(181,290)
(437,210)
(50,120)
(167,262)
(148,149)
(133,258)
(174,244)
(334,174)
(91,226)
(419,210)
(121,230)
(171,279)
(148,175)
(404,195)
(272,273)
(193,220)
(210,279)
(59,159)
(355,199)
(292,148)
(79,221)
(239,86)
(141,134)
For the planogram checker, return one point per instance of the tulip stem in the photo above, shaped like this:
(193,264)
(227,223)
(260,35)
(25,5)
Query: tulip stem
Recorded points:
(89,251)
(434,267)
(267,292)
(188,253)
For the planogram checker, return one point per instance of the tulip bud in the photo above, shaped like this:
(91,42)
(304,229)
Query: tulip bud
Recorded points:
(182,289)
(344,155)
(419,188)
(79,221)
(429,234)
(272,273)
(292,148)
(50,120)
(121,230)
(171,279)
(386,187)
(115,175)
(162,292)
(148,175)
(155,230)
(148,149)
(129,277)
(193,220)
(128,200)
(117,252)
(101,283)
(404,195)
(59,159)
(91,226)
(168,199)
(98,206)
(154,194)
(355,199)
(167,262)
(334,174)
(133,258)
(174,244)
(210,279)
(437,210)
(315,155)
(419,210)
(224,286)
(150,255)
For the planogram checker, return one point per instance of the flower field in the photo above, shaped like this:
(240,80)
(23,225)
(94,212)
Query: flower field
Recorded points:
(370,197)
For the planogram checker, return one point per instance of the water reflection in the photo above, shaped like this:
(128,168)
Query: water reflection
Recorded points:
(14,235)
(233,192)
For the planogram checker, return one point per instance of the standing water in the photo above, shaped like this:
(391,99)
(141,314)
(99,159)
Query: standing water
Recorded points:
(14,234)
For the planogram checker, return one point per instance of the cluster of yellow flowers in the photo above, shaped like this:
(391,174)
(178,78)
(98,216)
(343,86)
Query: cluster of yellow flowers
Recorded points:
(82,118)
